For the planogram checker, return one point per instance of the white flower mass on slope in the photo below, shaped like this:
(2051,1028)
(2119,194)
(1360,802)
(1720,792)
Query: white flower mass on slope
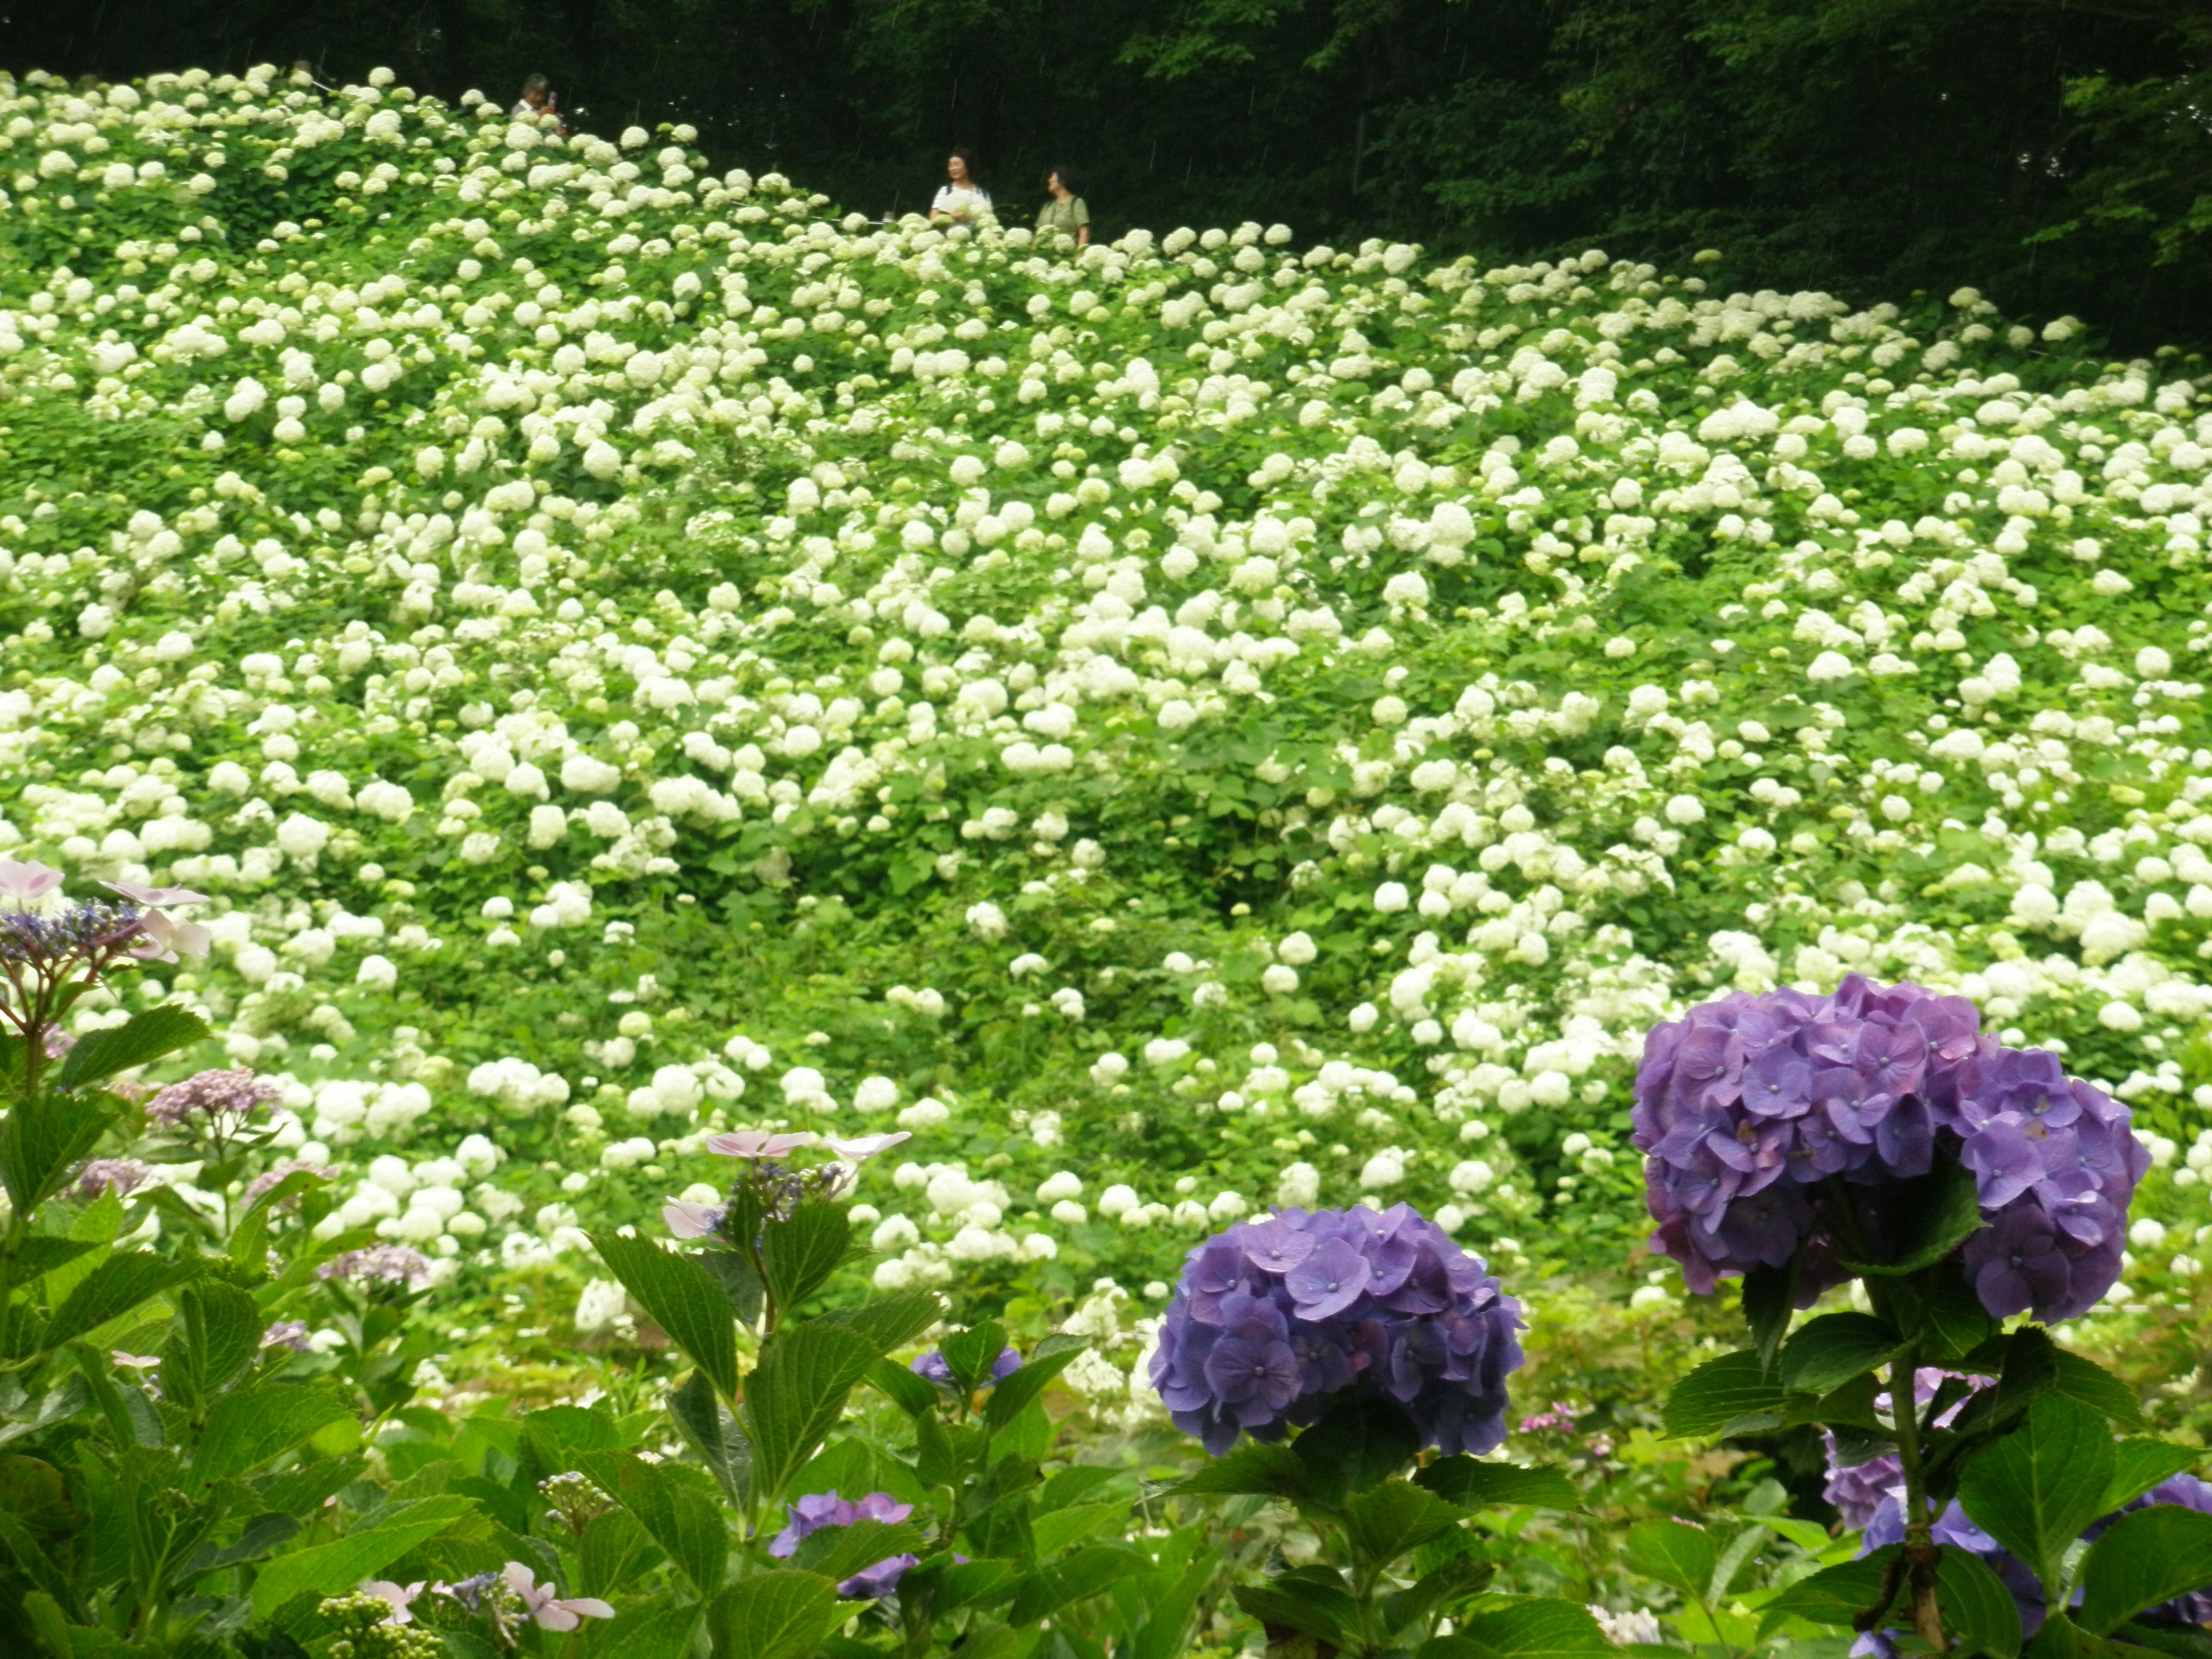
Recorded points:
(558,600)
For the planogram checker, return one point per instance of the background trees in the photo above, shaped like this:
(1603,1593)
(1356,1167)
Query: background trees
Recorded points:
(2056,152)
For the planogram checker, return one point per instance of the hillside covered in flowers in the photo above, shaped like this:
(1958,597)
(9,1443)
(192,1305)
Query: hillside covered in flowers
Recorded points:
(632,652)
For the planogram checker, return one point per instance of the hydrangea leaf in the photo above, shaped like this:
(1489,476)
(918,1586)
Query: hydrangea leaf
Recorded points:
(1977,1610)
(2147,1556)
(1836,1348)
(2035,1489)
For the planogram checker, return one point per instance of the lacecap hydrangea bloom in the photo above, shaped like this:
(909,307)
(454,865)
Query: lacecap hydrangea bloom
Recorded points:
(1274,1318)
(1760,1115)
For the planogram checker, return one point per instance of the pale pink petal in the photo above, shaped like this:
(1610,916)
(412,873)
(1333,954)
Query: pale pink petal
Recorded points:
(27,881)
(690,1220)
(868,1146)
(757,1143)
(157,897)
(552,1615)
(589,1606)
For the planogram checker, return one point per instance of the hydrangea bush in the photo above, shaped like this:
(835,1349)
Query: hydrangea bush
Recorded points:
(1313,709)
(644,669)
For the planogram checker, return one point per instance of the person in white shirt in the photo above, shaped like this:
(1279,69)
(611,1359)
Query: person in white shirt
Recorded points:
(962,197)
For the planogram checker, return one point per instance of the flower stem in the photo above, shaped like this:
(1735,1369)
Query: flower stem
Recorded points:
(1921,1558)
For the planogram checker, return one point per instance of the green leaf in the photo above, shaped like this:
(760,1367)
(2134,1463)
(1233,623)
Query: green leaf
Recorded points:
(262,1535)
(838,1553)
(1474,1484)
(798,1255)
(714,1433)
(739,1283)
(1676,1553)
(1719,1392)
(672,1502)
(614,1551)
(1053,1533)
(1831,1351)
(780,1614)
(247,1429)
(1769,1297)
(1015,1392)
(1092,1569)
(658,1627)
(1940,1210)
(681,1297)
(1357,1442)
(796,1395)
(1834,1595)
(124,1281)
(910,1393)
(41,1254)
(1438,1590)
(2026,1365)
(2035,1489)
(2141,1463)
(2090,1384)
(969,1354)
(1541,1627)
(41,1140)
(216,1334)
(1253,1469)
(2147,1556)
(328,1569)
(890,1321)
(140,1040)
(1396,1518)
(1306,1601)
(1977,1607)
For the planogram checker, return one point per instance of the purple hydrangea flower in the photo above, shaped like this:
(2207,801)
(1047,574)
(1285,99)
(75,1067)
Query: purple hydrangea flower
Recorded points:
(1273,1317)
(379,1264)
(818,1510)
(228,1093)
(931,1367)
(1760,1115)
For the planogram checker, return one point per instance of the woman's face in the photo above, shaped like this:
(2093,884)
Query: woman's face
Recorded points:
(1052,183)
(957,170)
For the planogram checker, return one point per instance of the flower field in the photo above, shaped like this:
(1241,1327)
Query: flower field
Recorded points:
(631,655)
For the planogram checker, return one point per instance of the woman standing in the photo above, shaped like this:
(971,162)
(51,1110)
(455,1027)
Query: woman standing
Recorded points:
(962,197)
(1066,214)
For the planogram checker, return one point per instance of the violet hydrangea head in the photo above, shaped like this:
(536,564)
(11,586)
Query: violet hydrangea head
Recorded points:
(1275,1317)
(816,1511)
(931,1367)
(1755,1112)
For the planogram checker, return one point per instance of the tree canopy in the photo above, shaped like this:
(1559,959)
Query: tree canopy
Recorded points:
(2055,152)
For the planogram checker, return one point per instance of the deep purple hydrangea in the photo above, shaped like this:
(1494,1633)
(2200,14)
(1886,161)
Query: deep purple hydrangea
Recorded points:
(1760,1115)
(818,1510)
(931,1367)
(1273,1318)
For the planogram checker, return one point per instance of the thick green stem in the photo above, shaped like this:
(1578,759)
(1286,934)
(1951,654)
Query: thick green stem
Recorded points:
(1921,1554)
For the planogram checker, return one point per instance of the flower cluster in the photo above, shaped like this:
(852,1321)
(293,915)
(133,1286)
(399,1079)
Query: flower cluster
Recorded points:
(230,1096)
(379,1264)
(817,1509)
(1272,1319)
(1785,1122)
(777,1188)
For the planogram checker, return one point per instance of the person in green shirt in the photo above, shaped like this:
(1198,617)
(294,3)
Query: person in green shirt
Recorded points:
(1066,214)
